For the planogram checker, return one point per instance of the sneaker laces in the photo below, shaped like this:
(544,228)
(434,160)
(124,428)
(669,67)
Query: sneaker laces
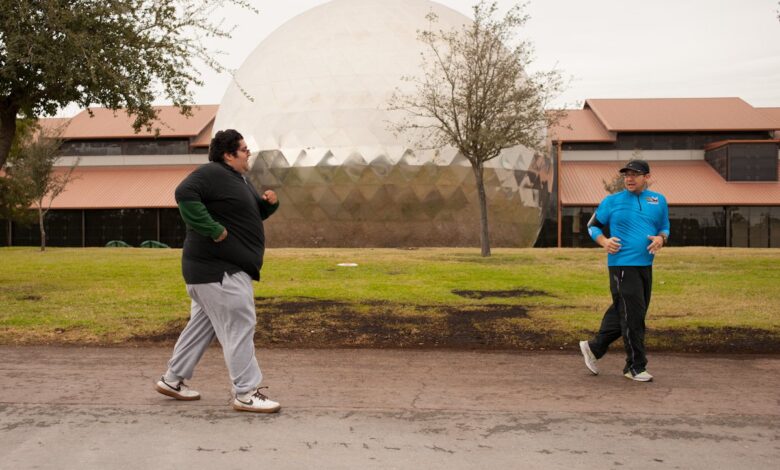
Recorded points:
(259,394)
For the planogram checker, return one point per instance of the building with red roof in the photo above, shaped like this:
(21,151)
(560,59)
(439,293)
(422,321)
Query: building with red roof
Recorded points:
(715,160)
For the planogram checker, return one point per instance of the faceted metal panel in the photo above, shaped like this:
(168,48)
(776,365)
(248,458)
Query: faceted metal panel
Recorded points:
(319,121)
(359,203)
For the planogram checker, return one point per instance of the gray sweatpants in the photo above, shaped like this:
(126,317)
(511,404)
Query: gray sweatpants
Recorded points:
(225,310)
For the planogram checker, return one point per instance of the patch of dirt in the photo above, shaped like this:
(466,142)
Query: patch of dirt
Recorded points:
(504,294)
(324,323)
(30,297)
(317,323)
(733,340)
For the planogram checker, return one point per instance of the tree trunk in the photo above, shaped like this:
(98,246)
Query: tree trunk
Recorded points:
(7,130)
(41,215)
(484,238)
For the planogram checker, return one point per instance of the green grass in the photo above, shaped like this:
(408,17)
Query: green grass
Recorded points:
(115,295)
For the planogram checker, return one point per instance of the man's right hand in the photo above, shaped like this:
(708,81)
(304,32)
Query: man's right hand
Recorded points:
(222,236)
(611,245)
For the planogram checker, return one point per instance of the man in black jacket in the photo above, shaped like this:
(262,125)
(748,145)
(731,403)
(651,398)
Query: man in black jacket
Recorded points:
(223,253)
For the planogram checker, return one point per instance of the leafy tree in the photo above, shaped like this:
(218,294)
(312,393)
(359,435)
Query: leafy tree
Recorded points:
(114,53)
(33,169)
(15,195)
(475,95)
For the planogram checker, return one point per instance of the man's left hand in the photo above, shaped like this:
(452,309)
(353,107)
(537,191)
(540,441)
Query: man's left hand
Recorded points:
(269,196)
(656,243)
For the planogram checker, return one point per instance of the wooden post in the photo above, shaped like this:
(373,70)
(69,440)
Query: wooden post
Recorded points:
(558,157)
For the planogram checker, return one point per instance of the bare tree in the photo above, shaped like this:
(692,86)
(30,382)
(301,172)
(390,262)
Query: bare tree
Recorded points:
(616,183)
(475,95)
(33,168)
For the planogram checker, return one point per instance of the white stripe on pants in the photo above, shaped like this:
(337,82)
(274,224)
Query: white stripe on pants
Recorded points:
(225,310)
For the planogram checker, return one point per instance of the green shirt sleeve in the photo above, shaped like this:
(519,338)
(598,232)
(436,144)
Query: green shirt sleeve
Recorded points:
(197,216)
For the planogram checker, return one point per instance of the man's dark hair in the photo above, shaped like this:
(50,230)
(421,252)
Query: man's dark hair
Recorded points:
(224,142)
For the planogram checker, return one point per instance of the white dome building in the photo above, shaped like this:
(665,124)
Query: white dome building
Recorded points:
(318,127)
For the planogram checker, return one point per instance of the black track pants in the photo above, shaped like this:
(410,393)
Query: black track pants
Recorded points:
(631,287)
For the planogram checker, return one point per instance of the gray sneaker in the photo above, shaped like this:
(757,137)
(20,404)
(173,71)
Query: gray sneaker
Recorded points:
(179,390)
(255,402)
(643,376)
(590,359)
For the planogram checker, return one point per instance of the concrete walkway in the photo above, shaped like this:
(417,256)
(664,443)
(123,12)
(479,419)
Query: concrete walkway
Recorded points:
(85,408)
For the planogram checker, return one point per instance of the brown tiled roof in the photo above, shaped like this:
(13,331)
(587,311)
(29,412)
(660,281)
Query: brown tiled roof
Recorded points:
(678,115)
(107,124)
(50,125)
(774,115)
(122,187)
(684,183)
(204,138)
(580,125)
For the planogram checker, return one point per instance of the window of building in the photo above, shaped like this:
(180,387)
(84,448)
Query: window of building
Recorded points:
(131,226)
(774,227)
(753,226)
(5,228)
(697,226)
(63,228)
(172,228)
(575,227)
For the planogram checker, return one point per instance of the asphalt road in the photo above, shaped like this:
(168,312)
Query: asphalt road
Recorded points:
(84,408)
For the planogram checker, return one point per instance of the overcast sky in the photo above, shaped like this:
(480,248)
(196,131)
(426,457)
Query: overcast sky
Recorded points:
(609,48)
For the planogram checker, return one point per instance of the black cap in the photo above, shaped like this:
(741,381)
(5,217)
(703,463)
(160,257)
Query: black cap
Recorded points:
(640,166)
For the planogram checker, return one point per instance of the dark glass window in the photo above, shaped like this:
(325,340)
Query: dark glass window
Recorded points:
(574,229)
(697,226)
(719,159)
(172,228)
(4,227)
(131,226)
(774,227)
(25,235)
(752,162)
(63,228)
(739,218)
(759,227)
(86,148)
(752,226)
(665,140)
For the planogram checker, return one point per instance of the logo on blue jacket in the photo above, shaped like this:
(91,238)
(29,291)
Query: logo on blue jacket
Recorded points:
(652,199)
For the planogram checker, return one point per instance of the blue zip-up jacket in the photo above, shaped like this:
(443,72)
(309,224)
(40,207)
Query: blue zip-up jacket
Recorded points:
(631,218)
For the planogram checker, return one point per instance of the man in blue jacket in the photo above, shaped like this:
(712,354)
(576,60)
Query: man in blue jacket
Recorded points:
(637,221)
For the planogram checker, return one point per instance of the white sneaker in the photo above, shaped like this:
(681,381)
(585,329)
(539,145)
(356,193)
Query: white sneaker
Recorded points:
(643,376)
(255,402)
(590,359)
(179,391)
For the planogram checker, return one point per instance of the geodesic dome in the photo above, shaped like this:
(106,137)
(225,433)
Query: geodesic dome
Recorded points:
(318,126)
